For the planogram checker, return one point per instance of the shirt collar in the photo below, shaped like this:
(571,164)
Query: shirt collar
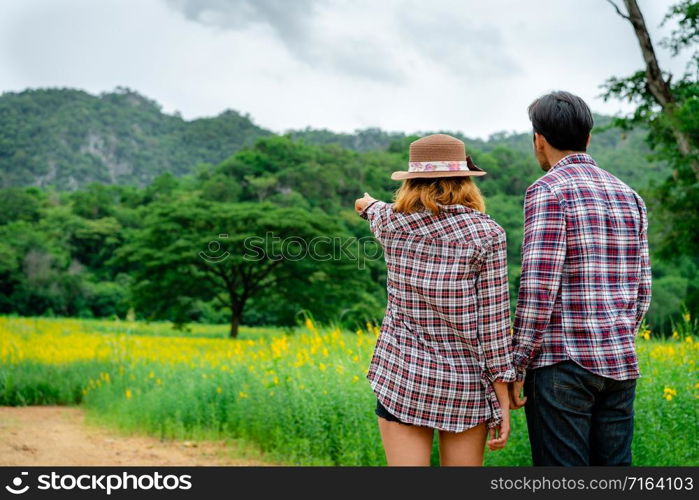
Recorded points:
(574,158)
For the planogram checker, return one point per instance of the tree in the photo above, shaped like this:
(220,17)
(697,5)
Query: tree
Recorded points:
(192,250)
(653,89)
(668,107)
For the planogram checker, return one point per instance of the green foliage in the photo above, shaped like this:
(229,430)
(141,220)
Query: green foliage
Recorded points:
(98,248)
(68,138)
(673,136)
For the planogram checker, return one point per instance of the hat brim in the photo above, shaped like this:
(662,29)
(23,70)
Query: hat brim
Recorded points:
(402,174)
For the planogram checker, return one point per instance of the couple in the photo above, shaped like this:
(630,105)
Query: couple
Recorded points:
(447,358)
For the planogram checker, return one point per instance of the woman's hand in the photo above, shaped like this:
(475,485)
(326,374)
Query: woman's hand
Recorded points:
(500,434)
(361,203)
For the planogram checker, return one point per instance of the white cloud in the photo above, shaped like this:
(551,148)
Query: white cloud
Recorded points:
(462,65)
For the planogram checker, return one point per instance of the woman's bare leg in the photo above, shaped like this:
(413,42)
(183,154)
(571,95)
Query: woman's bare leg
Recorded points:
(406,444)
(463,448)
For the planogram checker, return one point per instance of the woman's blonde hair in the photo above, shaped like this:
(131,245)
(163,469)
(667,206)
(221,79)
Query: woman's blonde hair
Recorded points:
(424,193)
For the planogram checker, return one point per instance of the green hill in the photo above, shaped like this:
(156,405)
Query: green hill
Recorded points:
(68,138)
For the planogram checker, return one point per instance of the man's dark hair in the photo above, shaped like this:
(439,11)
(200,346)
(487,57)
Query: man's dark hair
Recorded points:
(563,119)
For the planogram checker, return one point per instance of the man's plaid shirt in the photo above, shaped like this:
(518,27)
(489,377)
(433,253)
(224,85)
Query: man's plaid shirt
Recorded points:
(446,334)
(586,278)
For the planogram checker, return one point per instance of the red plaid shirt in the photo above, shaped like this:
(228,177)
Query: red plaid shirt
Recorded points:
(446,332)
(585,283)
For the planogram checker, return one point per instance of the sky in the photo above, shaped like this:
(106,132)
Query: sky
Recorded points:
(470,66)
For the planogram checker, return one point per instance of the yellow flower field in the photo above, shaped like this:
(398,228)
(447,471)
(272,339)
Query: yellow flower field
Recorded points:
(300,395)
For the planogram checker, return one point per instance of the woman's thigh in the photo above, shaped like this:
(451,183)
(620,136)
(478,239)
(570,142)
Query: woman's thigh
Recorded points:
(406,444)
(463,448)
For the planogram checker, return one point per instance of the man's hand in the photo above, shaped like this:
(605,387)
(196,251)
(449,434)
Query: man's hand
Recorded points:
(361,203)
(499,435)
(515,391)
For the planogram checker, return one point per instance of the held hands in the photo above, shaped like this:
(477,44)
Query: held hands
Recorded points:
(361,203)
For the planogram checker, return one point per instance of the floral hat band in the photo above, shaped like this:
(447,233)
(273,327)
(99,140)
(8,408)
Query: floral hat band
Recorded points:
(438,155)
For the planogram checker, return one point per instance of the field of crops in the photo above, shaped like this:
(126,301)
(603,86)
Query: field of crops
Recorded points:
(301,395)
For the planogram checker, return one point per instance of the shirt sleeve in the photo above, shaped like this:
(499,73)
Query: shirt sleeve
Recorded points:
(493,298)
(543,255)
(376,213)
(644,289)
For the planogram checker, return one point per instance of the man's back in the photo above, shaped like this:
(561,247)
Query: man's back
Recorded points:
(585,282)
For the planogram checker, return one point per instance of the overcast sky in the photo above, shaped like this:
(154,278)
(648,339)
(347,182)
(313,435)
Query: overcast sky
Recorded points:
(463,65)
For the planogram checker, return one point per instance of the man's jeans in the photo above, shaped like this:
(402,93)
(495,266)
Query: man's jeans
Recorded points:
(576,417)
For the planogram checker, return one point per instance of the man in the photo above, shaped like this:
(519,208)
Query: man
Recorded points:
(584,289)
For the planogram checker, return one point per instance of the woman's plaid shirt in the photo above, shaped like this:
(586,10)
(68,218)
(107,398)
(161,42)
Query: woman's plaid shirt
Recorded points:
(586,277)
(446,332)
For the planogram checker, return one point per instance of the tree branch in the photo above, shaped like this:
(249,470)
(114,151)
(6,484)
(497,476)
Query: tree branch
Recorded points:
(618,11)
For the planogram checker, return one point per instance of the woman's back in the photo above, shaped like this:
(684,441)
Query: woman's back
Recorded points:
(442,337)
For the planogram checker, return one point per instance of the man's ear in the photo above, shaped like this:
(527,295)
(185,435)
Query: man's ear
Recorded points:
(539,142)
(589,138)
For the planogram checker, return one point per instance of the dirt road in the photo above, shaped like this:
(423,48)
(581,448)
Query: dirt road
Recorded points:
(59,435)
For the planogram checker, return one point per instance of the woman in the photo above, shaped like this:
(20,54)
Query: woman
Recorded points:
(442,360)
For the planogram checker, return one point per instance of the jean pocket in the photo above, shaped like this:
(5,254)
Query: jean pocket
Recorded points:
(570,389)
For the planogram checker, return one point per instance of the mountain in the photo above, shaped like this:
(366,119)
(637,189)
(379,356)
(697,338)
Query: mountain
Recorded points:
(68,138)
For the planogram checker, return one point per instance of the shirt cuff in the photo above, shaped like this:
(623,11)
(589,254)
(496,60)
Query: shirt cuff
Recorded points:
(508,375)
(520,361)
(364,214)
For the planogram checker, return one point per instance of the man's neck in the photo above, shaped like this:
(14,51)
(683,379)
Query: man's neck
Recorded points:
(555,155)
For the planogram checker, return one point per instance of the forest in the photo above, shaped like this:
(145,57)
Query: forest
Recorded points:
(108,205)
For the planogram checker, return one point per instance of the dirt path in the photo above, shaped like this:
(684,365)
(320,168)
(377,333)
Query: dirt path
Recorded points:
(58,435)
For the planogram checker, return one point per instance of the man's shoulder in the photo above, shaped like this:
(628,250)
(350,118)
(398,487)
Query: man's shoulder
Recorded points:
(574,176)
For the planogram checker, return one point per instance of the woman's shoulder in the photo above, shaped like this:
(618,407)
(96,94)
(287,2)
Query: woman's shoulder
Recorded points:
(457,224)
(483,225)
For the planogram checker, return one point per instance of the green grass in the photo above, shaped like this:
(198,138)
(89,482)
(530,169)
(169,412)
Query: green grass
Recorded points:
(316,412)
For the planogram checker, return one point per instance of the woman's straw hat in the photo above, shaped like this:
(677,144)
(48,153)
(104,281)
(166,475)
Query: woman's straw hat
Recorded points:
(438,155)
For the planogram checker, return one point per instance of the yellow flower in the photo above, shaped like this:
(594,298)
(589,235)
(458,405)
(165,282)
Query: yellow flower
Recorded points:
(219,390)
(242,395)
(322,367)
(686,317)
(127,393)
(645,334)
(356,379)
(675,335)
(669,393)
(689,339)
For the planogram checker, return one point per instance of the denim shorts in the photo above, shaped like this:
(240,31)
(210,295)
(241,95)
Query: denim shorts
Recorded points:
(382,412)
